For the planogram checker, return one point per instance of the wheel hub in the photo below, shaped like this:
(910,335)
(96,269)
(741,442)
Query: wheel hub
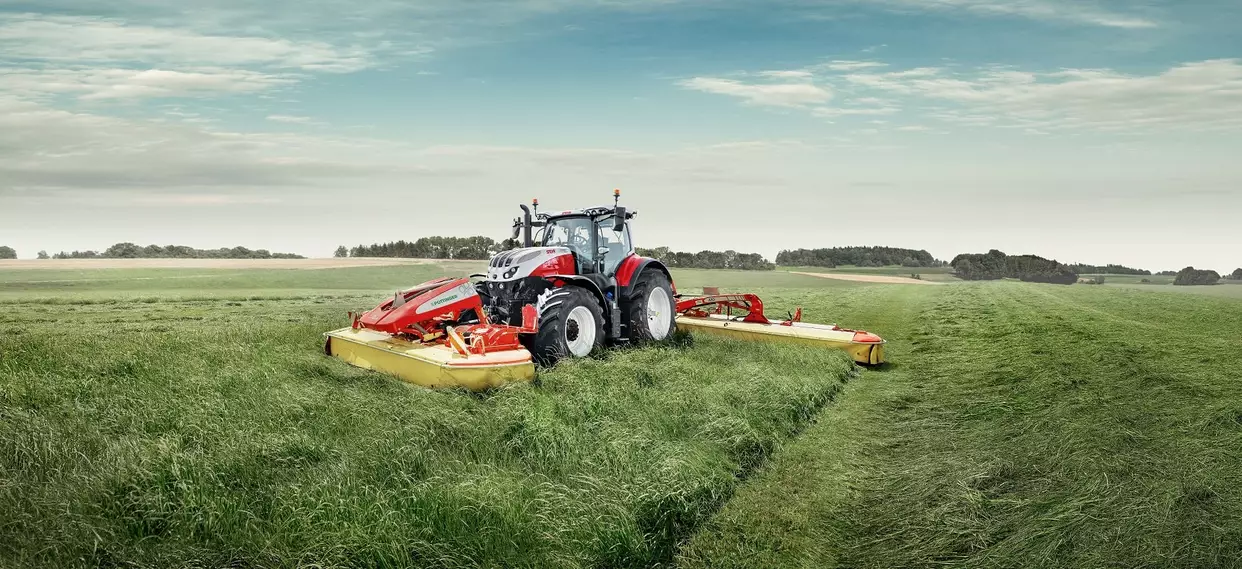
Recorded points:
(659,311)
(580,331)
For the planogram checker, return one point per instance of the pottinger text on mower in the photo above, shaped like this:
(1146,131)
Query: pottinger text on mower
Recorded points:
(574,286)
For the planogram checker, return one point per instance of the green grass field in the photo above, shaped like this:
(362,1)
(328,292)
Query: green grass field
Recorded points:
(173,418)
(940,274)
(1134,279)
(1161,283)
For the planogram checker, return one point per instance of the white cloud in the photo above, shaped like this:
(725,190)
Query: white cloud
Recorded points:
(201,200)
(290,119)
(46,153)
(94,84)
(830,112)
(47,149)
(1194,96)
(95,58)
(766,94)
(916,72)
(790,74)
(756,145)
(1204,95)
(840,65)
(1073,11)
(80,40)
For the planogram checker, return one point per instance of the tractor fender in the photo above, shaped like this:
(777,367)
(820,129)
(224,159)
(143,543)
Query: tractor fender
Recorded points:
(631,270)
(581,281)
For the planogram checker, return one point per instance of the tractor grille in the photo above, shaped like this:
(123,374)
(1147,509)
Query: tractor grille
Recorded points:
(504,300)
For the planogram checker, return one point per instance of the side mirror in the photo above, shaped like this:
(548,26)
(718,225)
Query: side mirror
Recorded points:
(618,222)
(517,228)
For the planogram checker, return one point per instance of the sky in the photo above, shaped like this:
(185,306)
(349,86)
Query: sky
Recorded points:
(1094,131)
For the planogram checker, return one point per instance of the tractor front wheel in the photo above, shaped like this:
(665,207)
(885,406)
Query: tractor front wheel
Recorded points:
(651,310)
(571,324)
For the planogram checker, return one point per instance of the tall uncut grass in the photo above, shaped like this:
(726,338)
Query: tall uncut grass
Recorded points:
(160,433)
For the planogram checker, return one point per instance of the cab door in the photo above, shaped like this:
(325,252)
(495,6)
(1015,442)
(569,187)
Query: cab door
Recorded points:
(612,246)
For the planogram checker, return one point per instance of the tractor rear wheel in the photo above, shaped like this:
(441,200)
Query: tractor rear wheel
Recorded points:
(651,308)
(571,324)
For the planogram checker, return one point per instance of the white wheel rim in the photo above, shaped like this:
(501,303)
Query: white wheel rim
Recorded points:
(582,322)
(659,311)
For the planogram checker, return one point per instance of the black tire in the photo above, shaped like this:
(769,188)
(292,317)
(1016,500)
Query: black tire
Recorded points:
(651,281)
(560,325)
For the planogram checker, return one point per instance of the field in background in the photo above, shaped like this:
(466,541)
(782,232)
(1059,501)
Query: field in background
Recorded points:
(268,274)
(1158,283)
(159,416)
(938,274)
(1133,279)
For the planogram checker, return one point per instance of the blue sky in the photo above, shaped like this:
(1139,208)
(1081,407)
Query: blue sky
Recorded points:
(1102,132)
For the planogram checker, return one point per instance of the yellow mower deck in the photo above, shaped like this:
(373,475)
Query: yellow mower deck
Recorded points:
(869,353)
(428,365)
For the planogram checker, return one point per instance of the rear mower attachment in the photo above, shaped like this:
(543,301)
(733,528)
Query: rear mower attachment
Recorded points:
(713,314)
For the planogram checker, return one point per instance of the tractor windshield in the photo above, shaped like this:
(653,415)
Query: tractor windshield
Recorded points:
(573,232)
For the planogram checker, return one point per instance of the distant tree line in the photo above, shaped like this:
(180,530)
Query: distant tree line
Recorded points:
(1236,275)
(7,252)
(858,256)
(132,251)
(995,265)
(1106,270)
(709,259)
(435,247)
(1167,274)
(1191,276)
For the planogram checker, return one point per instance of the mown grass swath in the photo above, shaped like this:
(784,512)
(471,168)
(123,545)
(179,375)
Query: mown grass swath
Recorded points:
(212,432)
(1023,426)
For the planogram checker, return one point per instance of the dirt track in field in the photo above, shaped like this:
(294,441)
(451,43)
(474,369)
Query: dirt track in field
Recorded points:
(869,278)
(326,263)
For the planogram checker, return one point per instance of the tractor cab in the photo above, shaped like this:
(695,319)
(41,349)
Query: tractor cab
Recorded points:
(586,254)
(598,238)
(596,241)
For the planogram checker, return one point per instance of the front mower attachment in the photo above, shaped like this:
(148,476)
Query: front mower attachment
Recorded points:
(437,335)
(695,314)
(428,364)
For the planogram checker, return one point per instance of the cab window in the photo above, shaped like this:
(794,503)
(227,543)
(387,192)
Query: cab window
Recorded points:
(617,243)
(571,232)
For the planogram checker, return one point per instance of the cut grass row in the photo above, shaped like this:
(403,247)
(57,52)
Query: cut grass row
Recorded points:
(213,432)
(789,514)
(1021,426)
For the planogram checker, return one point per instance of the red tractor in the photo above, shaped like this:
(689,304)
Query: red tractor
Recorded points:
(585,280)
(570,289)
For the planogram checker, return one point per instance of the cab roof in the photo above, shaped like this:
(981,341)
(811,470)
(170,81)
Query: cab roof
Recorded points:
(592,212)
